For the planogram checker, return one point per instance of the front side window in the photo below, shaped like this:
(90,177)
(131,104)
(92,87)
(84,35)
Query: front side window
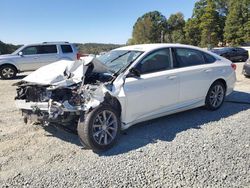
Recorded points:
(31,50)
(159,60)
(46,49)
(188,57)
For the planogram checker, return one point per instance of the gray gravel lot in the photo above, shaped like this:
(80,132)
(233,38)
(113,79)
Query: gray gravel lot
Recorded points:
(196,148)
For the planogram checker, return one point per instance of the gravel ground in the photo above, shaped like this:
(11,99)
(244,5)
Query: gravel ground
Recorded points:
(196,148)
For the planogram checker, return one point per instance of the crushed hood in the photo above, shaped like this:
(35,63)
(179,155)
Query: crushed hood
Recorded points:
(65,72)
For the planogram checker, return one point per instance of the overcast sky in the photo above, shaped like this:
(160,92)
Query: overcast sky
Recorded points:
(101,21)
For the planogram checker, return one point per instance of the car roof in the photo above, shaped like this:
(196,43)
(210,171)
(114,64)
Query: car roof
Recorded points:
(150,47)
(50,43)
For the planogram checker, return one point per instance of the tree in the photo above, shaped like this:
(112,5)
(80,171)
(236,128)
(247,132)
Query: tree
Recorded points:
(192,32)
(175,28)
(148,28)
(210,26)
(7,48)
(237,26)
(221,7)
(199,9)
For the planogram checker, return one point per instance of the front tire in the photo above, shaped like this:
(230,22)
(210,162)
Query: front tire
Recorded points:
(215,96)
(8,72)
(100,128)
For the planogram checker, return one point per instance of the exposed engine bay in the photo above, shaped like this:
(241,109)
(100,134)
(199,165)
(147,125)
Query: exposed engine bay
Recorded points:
(62,96)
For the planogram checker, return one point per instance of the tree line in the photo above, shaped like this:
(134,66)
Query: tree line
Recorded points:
(87,48)
(213,23)
(7,48)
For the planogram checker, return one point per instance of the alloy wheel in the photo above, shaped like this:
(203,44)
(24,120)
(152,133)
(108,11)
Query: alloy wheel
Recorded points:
(8,72)
(216,96)
(105,127)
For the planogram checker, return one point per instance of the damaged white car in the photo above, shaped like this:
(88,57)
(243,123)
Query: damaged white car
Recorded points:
(123,87)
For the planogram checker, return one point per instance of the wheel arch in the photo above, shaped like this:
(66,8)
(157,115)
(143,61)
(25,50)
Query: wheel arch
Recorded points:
(8,64)
(222,80)
(114,102)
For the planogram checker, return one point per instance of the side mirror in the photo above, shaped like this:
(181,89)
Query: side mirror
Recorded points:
(20,53)
(133,72)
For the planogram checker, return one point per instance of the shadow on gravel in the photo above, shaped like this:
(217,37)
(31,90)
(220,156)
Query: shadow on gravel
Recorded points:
(62,133)
(164,128)
(167,127)
(18,77)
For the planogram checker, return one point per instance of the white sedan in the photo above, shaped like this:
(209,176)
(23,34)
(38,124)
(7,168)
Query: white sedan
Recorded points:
(123,87)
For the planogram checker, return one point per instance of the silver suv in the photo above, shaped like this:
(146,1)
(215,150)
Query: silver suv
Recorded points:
(33,56)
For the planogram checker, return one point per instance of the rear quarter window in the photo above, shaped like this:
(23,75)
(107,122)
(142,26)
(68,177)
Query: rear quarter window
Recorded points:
(209,58)
(186,57)
(66,49)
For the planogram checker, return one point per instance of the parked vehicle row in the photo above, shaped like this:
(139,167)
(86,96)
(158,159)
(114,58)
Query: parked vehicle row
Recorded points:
(125,86)
(246,68)
(33,56)
(234,54)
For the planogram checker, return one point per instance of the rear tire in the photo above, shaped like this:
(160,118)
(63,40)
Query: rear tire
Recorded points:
(215,96)
(99,129)
(7,72)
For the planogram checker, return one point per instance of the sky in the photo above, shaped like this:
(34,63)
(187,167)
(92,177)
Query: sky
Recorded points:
(80,21)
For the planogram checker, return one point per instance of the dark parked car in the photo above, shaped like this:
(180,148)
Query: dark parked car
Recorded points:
(233,54)
(246,69)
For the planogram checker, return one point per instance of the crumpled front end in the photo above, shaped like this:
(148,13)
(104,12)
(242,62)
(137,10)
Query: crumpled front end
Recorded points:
(60,92)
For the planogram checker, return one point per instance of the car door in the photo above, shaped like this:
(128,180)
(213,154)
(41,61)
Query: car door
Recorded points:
(47,54)
(234,54)
(28,58)
(195,72)
(155,91)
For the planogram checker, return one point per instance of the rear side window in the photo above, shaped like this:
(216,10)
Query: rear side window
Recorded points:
(188,57)
(208,58)
(157,61)
(47,49)
(66,49)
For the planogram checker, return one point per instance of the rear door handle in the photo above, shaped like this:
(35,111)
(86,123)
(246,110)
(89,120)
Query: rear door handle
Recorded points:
(35,57)
(172,77)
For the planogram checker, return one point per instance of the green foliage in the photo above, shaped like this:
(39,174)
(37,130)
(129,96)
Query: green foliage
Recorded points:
(148,28)
(192,32)
(175,28)
(7,48)
(96,48)
(199,9)
(204,28)
(221,7)
(210,25)
(237,28)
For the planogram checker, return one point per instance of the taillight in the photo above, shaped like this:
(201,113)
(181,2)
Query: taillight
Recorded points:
(78,55)
(233,66)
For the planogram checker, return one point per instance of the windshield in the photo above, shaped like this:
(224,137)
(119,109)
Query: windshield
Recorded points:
(119,59)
